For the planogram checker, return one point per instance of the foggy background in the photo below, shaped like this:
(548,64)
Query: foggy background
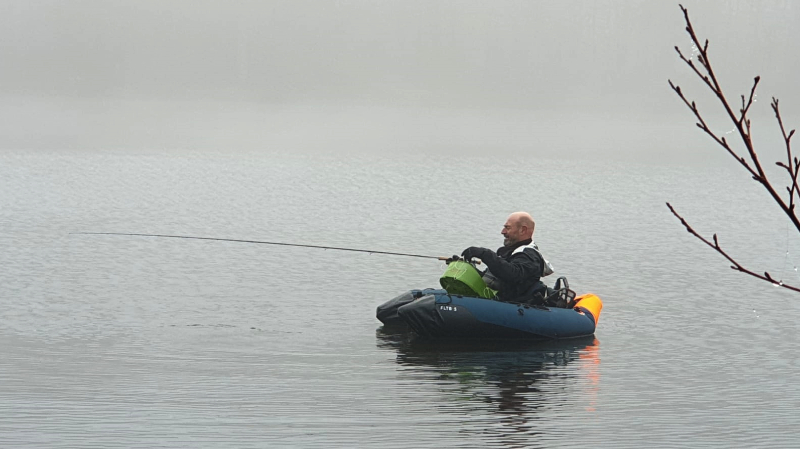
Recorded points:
(572,78)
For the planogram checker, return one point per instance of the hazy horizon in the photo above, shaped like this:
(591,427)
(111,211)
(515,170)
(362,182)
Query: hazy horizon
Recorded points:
(416,75)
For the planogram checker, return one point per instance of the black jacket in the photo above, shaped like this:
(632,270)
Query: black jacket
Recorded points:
(512,274)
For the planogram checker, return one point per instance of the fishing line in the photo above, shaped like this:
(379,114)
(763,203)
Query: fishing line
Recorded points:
(369,251)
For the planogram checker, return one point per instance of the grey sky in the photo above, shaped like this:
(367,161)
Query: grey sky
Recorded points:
(108,61)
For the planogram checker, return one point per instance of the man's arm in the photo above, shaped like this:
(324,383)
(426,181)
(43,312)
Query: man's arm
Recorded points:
(520,268)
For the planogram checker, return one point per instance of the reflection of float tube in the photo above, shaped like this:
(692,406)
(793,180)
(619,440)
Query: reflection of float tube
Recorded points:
(590,362)
(591,304)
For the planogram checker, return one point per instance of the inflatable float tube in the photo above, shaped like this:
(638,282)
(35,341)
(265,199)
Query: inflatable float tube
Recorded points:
(435,313)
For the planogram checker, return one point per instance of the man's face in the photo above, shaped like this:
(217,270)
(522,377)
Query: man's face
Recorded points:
(511,232)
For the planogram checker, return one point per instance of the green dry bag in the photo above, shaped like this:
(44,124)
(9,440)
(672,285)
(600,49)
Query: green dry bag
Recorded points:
(463,279)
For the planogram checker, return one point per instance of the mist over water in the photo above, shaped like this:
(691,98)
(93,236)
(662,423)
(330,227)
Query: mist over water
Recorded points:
(413,127)
(568,77)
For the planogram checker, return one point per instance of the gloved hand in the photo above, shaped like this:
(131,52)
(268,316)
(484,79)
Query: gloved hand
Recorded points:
(453,258)
(473,251)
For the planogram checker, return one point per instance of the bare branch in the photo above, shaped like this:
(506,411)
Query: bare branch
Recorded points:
(704,126)
(746,107)
(792,166)
(743,125)
(694,67)
(734,264)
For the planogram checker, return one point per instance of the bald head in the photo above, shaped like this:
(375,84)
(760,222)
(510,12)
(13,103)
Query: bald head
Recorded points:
(519,226)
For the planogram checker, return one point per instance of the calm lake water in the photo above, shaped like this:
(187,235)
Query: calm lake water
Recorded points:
(109,341)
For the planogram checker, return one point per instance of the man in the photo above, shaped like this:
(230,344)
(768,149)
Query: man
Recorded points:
(516,267)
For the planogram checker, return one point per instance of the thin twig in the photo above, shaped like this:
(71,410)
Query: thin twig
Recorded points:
(735,265)
(701,123)
(792,165)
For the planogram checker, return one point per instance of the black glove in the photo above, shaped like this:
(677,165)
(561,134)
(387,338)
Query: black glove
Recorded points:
(453,258)
(473,251)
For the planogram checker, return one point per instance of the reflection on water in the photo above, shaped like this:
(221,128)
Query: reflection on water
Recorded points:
(523,386)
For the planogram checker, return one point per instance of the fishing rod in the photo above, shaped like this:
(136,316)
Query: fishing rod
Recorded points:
(264,243)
